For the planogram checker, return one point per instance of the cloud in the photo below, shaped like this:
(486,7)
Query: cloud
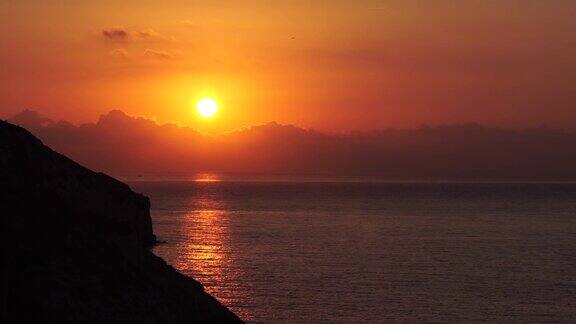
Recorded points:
(163,55)
(464,151)
(124,34)
(119,53)
(151,34)
(31,118)
(115,34)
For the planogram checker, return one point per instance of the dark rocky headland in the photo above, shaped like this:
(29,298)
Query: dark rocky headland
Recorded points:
(75,246)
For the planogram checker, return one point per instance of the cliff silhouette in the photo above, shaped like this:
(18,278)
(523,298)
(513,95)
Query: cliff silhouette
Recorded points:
(75,246)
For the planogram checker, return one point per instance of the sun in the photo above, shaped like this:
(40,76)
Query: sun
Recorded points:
(207,107)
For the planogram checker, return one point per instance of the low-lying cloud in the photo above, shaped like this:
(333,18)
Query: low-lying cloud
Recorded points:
(126,145)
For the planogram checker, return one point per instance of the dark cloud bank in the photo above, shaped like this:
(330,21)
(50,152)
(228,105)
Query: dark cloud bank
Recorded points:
(125,145)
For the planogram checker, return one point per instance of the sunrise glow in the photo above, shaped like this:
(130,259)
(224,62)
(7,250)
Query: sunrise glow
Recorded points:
(305,161)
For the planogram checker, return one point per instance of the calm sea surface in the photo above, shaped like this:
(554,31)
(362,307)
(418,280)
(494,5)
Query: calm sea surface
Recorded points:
(353,251)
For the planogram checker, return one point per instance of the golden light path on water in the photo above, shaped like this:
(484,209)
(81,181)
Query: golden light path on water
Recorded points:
(207,177)
(206,252)
(206,255)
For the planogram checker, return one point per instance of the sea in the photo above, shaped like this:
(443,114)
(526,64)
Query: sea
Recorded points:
(353,250)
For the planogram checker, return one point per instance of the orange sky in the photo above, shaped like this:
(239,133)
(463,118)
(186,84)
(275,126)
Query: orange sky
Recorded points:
(331,65)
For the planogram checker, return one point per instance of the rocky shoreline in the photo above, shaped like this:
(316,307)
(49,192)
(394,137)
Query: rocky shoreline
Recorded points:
(76,246)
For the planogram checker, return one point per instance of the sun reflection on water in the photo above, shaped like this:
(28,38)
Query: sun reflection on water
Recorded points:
(205,251)
(201,234)
(206,177)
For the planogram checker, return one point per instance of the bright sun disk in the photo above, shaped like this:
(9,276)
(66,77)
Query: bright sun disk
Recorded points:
(207,107)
